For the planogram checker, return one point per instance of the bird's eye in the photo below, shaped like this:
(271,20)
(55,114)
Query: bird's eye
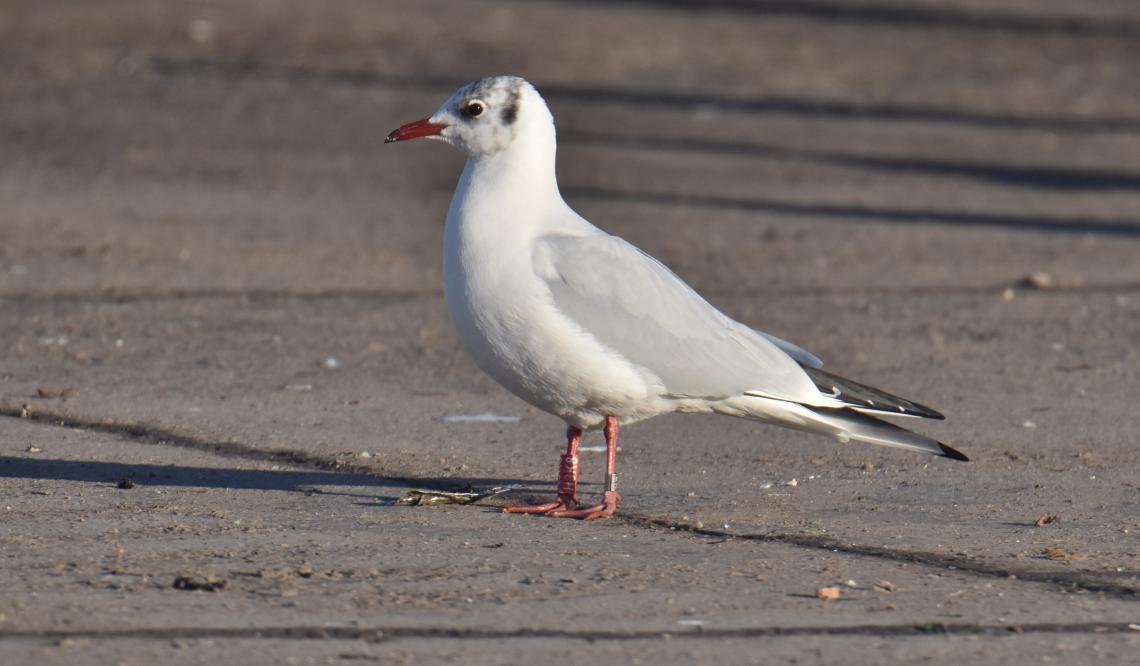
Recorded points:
(473,109)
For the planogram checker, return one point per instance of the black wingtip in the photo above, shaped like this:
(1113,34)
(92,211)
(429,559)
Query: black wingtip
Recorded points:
(952,453)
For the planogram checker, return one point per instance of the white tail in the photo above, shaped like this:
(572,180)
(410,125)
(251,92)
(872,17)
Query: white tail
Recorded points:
(842,423)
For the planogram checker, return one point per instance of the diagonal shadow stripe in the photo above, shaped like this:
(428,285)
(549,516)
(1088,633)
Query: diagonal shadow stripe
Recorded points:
(1059,225)
(1022,176)
(94,471)
(143,475)
(165,66)
(335,472)
(900,15)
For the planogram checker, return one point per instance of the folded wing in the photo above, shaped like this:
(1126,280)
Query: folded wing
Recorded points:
(634,305)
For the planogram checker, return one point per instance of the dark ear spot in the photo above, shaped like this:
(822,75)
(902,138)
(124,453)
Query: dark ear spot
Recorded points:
(511,113)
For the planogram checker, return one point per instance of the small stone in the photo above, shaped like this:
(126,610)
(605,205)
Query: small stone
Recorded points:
(1038,280)
(200,31)
(125,484)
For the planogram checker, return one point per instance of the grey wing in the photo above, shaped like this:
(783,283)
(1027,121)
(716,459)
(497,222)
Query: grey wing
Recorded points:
(803,356)
(638,308)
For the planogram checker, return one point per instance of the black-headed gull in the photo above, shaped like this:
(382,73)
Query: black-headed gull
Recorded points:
(585,326)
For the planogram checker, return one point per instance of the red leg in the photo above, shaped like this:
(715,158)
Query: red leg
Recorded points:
(610,497)
(567,480)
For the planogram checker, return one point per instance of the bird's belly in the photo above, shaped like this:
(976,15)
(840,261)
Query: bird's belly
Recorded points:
(520,339)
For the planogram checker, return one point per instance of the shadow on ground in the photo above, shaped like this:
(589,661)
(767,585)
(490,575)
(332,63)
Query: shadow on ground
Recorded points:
(234,479)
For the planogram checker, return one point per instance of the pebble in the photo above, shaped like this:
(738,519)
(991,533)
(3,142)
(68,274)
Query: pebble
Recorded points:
(1039,280)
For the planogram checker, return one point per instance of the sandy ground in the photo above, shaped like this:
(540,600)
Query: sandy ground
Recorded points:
(198,213)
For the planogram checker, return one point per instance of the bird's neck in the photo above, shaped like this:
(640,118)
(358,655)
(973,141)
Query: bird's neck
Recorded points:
(520,180)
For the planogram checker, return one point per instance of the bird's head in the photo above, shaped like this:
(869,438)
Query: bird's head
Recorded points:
(483,117)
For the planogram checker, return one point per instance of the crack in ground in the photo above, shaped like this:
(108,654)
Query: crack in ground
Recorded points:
(117,296)
(1097,582)
(387,297)
(1104,583)
(377,634)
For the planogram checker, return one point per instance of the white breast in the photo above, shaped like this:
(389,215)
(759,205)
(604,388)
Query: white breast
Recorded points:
(507,321)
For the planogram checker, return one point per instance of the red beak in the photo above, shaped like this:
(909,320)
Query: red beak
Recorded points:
(420,128)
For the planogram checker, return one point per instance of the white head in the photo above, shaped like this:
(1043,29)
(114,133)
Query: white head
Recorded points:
(484,117)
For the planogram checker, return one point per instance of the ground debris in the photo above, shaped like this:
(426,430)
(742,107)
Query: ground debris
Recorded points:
(1045,519)
(437,497)
(53,393)
(208,583)
(303,570)
(125,483)
(1063,556)
(828,593)
(487,417)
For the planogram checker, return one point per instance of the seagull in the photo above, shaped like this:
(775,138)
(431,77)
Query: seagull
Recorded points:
(587,327)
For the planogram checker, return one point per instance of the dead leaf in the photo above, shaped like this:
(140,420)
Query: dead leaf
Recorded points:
(1045,519)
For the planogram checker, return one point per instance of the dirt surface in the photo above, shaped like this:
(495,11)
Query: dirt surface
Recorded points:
(226,355)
